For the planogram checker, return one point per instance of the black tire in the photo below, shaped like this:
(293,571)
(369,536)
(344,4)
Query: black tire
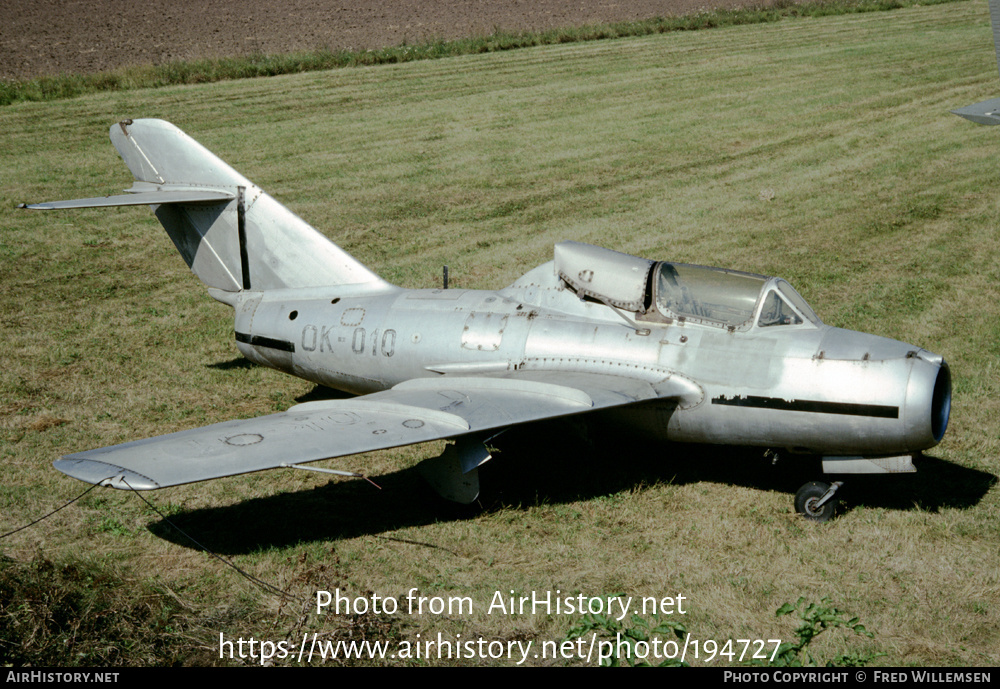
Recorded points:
(807,497)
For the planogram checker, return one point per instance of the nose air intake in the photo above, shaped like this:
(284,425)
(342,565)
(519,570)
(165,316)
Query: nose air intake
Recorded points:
(941,403)
(928,401)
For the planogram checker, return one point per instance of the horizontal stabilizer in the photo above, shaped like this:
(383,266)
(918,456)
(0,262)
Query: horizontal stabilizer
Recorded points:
(146,198)
(231,245)
(987,112)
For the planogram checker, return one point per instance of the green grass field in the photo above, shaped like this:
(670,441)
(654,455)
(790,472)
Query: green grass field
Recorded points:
(817,149)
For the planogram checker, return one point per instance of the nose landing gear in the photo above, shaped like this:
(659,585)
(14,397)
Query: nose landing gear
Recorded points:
(815,500)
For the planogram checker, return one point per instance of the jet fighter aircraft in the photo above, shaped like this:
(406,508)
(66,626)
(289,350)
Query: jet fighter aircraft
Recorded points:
(682,352)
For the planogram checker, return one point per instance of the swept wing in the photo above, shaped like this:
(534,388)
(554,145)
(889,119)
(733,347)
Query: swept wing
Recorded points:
(412,412)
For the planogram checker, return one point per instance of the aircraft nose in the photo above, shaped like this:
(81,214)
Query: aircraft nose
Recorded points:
(928,399)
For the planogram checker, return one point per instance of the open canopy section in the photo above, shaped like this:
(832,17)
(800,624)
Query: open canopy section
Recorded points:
(679,291)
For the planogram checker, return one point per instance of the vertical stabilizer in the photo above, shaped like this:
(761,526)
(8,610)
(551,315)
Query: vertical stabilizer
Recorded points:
(249,240)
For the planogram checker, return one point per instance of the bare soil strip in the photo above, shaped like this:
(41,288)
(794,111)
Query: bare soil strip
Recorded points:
(48,37)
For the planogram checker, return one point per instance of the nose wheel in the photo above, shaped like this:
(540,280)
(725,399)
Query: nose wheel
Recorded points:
(815,500)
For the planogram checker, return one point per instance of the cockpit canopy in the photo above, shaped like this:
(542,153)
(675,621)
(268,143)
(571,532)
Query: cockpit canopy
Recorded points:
(677,291)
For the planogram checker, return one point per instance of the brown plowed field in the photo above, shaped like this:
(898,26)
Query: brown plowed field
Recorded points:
(40,37)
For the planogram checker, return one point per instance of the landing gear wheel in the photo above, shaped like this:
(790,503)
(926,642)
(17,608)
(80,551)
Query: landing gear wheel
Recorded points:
(809,501)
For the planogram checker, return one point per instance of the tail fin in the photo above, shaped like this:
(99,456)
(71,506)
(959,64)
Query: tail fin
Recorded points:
(232,235)
(987,112)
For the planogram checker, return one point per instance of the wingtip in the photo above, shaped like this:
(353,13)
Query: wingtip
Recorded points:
(104,474)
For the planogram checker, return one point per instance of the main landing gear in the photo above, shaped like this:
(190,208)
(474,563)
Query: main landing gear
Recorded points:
(815,500)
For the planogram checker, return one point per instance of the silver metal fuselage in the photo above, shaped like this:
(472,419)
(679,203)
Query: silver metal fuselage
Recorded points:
(809,388)
(675,351)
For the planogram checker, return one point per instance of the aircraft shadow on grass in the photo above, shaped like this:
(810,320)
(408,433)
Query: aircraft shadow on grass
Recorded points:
(544,464)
